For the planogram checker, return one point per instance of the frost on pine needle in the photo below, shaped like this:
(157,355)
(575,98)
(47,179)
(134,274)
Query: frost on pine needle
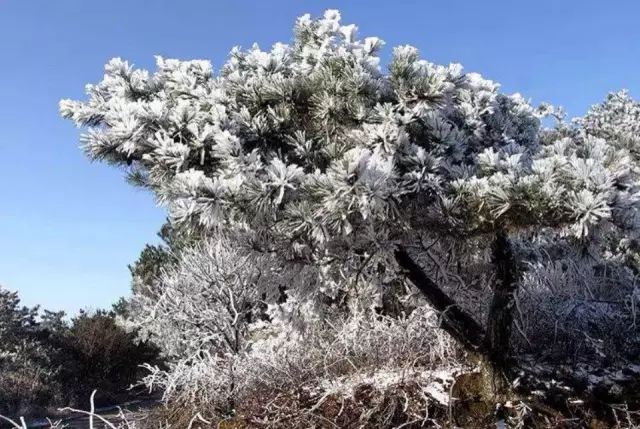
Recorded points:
(319,124)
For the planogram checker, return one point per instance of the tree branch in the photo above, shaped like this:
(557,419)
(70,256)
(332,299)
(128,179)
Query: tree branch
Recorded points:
(458,323)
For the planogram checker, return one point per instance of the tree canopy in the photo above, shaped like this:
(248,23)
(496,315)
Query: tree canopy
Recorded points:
(313,142)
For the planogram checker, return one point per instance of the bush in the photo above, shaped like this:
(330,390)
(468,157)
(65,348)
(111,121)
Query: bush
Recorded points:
(236,342)
(29,380)
(102,355)
(46,361)
(28,376)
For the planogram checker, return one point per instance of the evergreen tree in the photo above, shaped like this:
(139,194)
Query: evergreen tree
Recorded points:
(313,154)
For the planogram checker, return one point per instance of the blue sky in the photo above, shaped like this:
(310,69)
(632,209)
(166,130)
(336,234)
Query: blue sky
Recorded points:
(68,228)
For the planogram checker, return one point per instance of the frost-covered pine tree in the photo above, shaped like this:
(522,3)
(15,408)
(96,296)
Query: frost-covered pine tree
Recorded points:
(316,153)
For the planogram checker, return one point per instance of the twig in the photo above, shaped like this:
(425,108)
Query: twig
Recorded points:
(91,413)
(15,425)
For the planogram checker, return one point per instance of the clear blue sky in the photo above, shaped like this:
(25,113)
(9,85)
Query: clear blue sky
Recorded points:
(68,228)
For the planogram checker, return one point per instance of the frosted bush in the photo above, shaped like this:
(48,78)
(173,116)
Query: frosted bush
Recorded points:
(336,359)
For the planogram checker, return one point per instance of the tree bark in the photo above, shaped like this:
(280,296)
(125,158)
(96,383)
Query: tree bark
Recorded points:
(459,324)
(495,343)
(500,319)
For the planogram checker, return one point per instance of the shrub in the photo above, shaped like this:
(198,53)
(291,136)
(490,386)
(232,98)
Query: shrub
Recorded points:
(47,362)
(100,354)
(28,375)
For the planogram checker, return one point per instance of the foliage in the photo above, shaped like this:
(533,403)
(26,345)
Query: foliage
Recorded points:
(27,373)
(154,258)
(100,354)
(312,186)
(48,361)
(314,143)
(227,353)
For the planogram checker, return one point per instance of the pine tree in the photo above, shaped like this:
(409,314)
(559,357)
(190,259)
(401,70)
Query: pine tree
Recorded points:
(311,152)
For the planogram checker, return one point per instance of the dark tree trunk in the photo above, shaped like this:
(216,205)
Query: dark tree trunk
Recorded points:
(500,320)
(491,348)
(459,324)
